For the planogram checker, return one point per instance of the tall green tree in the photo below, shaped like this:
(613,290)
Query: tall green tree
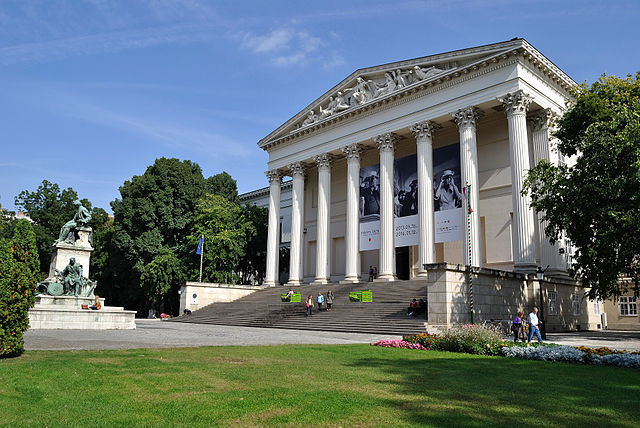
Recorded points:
(252,265)
(226,231)
(105,266)
(224,185)
(161,279)
(597,200)
(49,208)
(155,213)
(19,273)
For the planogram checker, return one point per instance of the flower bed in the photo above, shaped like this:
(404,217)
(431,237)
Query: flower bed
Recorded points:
(481,340)
(398,344)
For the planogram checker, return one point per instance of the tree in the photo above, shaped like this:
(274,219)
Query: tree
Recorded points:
(49,208)
(226,232)
(596,202)
(223,185)
(19,272)
(161,279)
(154,214)
(105,266)
(252,266)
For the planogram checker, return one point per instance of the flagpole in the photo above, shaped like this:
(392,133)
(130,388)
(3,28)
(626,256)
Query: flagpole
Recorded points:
(201,255)
(469,266)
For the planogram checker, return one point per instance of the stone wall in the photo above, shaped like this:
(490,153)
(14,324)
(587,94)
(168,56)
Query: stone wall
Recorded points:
(207,293)
(499,295)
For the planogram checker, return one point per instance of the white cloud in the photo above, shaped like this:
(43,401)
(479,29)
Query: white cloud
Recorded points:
(275,41)
(288,47)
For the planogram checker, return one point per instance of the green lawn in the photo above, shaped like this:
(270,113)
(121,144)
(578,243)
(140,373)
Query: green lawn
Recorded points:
(338,385)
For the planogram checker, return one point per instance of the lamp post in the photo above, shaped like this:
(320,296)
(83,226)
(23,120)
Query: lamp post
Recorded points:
(540,276)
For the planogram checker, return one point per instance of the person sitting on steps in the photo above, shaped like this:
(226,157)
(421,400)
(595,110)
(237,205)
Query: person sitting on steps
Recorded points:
(96,305)
(287,298)
(412,309)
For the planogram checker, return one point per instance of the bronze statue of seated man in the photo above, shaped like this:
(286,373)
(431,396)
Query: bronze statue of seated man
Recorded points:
(80,219)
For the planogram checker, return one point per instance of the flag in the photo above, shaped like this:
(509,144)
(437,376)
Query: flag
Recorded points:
(200,244)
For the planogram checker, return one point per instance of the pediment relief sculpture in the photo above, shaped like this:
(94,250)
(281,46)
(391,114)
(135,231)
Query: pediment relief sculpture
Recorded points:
(367,89)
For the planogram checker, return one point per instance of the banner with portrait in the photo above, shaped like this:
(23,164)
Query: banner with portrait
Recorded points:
(448,215)
(405,204)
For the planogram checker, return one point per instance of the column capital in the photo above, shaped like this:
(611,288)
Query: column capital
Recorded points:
(273,175)
(541,119)
(352,151)
(296,169)
(386,142)
(323,160)
(424,129)
(467,117)
(516,102)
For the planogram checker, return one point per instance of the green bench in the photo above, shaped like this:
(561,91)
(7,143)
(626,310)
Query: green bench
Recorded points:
(295,298)
(361,296)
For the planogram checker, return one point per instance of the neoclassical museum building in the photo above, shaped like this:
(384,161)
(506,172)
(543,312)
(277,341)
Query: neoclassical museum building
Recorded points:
(415,168)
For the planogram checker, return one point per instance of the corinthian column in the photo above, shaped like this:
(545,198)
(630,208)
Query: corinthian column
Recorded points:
(297,219)
(466,120)
(273,237)
(549,253)
(516,105)
(324,203)
(423,133)
(352,153)
(387,269)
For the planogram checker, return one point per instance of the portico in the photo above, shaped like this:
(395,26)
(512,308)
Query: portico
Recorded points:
(493,101)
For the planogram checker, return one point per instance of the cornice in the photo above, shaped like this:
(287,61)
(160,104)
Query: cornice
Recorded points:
(263,191)
(516,53)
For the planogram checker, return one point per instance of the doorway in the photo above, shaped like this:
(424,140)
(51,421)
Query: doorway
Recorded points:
(403,264)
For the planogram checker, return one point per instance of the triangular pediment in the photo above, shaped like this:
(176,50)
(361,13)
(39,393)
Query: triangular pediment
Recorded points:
(371,86)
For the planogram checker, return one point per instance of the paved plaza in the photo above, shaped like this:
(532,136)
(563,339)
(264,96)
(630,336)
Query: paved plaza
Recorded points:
(159,334)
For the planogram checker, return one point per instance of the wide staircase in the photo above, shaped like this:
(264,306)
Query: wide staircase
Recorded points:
(387,314)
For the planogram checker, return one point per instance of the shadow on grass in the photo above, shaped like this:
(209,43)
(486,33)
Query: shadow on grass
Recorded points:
(466,390)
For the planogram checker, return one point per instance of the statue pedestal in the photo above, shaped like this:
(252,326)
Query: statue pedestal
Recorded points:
(63,251)
(66,313)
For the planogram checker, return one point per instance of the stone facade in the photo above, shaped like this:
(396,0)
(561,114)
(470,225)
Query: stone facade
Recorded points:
(197,295)
(499,295)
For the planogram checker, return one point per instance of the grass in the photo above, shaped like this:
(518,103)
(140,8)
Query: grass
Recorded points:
(338,385)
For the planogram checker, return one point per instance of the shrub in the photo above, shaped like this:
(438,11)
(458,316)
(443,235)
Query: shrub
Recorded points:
(567,354)
(619,360)
(471,339)
(19,271)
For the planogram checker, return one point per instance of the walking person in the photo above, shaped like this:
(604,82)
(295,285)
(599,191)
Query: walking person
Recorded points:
(375,272)
(309,305)
(534,325)
(320,300)
(370,273)
(516,327)
(329,300)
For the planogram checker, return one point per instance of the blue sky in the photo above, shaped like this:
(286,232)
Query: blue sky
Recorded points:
(91,92)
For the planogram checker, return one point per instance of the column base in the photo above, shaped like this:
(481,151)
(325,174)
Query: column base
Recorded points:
(269,284)
(422,274)
(350,280)
(320,281)
(525,267)
(294,283)
(386,278)
(557,273)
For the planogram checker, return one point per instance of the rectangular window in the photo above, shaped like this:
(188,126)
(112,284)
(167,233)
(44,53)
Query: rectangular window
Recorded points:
(628,306)
(552,296)
(596,307)
(576,304)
